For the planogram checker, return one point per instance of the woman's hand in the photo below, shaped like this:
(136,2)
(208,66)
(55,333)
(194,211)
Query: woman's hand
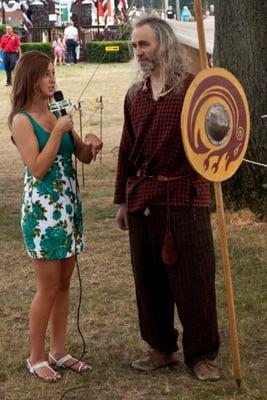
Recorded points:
(94,143)
(64,124)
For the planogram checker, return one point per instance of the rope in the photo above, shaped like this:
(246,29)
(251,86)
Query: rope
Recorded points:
(87,84)
(256,163)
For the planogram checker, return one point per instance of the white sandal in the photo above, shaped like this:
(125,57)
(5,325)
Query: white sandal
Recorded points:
(60,363)
(33,368)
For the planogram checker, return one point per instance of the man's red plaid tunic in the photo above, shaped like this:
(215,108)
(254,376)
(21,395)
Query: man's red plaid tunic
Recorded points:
(152,142)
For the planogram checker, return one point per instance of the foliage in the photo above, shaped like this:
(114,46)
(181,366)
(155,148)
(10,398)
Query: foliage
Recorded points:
(3,29)
(96,51)
(125,30)
(44,47)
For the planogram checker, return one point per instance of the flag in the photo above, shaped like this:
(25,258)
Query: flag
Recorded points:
(123,5)
(104,10)
(26,15)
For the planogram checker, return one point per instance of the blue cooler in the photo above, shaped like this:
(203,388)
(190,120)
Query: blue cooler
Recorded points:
(1,61)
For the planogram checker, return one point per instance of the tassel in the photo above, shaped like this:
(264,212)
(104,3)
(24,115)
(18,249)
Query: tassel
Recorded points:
(169,253)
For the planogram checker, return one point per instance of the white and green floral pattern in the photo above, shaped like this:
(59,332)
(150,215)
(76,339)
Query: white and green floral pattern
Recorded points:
(51,214)
(51,217)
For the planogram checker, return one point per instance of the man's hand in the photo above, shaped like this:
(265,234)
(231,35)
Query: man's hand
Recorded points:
(122,219)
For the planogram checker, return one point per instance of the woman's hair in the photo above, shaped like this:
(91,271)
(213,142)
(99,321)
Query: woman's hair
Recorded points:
(172,59)
(31,67)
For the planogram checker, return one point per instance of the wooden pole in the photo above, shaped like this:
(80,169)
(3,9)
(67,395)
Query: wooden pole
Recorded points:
(101,125)
(221,222)
(228,283)
(201,35)
(81,135)
(3,13)
(100,100)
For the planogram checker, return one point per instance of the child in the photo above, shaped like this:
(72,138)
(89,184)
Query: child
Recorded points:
(58,47)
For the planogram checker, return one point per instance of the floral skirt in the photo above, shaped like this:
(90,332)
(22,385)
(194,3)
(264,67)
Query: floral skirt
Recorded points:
(51,214)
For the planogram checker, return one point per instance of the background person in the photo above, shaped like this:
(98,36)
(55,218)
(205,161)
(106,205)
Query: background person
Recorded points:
(58,48)
(158,193)
(51,217)
(77,50)
(71,37)
(170,12)
(186,15)
(10,45)
(211,9)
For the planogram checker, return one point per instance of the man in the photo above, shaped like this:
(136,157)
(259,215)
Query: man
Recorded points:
(158,193)
(10,45)
(71,40)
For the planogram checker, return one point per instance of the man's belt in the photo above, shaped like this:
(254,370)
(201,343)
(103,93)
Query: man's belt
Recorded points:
(161,178)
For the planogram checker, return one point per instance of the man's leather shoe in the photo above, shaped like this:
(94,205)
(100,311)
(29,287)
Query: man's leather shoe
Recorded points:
(155,360)
(206,370)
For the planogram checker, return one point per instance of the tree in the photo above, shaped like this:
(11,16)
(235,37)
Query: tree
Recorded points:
(240,47)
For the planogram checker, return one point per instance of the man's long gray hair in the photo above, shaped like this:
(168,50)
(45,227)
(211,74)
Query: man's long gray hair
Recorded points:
(172,58)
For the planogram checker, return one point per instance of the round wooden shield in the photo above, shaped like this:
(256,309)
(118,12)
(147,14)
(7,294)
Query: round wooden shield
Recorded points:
(215,124)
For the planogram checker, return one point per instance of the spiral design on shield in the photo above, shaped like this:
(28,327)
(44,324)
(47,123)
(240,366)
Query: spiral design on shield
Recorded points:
(219,136)
(240,133)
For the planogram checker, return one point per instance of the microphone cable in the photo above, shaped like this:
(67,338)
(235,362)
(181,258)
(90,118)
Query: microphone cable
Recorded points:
(75,224)
(75,243)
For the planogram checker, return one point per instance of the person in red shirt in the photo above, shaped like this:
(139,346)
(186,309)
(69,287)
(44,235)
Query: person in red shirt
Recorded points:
(164,204)
(10,45)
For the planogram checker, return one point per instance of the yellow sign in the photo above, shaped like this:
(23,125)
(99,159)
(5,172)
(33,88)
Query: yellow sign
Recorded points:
(112,48)
(215,124)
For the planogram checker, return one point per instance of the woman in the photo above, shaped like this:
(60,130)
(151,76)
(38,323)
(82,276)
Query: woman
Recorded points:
(51,218)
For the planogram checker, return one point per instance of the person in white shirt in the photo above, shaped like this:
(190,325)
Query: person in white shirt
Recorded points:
(71,39)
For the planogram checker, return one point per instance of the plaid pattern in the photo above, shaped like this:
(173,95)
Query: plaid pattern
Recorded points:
(189,284)
(151,141)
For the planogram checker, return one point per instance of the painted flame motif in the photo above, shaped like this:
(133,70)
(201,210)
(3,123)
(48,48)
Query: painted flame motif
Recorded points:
(219,89)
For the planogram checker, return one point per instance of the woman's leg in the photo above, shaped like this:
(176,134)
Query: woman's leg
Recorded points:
(59,317)
(47,284)
(60,310)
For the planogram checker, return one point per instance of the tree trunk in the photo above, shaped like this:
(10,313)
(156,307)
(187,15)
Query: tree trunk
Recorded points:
(240,47)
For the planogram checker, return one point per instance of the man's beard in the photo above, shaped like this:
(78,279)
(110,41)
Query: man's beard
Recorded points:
(149,65)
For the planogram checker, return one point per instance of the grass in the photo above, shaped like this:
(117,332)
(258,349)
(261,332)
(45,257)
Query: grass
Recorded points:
(108,317)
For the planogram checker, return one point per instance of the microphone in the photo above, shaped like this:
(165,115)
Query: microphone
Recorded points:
(60,106)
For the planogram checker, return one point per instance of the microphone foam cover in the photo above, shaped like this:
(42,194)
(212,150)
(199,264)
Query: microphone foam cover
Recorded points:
(58,95)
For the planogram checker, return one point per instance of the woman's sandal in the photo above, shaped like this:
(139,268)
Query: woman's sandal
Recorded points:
(62,363)
(33,371)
